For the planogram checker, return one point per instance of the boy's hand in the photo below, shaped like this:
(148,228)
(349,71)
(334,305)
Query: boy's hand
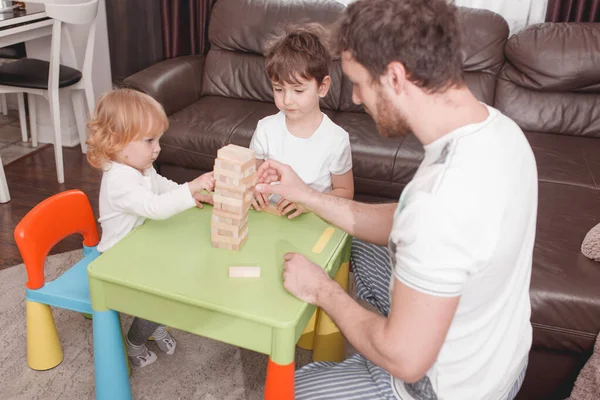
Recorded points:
(284,206)
(203,198)
(260,201)
(203,182)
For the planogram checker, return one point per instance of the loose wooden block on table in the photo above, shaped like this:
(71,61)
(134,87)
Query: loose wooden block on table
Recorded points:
(244,272)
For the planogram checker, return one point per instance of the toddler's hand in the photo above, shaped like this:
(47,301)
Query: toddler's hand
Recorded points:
(285,207)
(203,182)
(203,198)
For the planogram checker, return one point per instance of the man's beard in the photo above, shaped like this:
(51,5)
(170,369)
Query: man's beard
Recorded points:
(390,122)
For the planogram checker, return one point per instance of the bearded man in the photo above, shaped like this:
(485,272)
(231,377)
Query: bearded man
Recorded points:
(449,265)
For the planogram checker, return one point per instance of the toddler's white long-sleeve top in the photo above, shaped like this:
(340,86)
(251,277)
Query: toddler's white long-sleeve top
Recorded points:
(128,198)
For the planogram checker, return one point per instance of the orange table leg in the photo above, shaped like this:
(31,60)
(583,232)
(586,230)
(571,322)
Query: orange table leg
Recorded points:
(280,381)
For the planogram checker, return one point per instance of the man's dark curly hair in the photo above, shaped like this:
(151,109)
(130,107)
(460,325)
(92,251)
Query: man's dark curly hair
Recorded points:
(423,35)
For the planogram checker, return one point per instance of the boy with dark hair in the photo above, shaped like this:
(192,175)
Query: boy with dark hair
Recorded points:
(300,135)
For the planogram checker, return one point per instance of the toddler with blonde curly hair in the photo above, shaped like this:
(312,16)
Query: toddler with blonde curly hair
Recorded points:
(124,135)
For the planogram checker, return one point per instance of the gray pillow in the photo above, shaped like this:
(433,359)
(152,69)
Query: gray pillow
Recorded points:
(591,244)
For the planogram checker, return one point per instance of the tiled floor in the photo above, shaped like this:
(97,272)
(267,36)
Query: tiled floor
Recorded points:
(11,146)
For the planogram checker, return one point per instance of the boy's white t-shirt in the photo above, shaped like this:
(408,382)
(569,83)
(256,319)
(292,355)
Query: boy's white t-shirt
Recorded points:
(465,226)
(128,198)
(314,159)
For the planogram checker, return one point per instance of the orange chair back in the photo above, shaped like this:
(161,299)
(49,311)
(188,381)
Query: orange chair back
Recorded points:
(47,224)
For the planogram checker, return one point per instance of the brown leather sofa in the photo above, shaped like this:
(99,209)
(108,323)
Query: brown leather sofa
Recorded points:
(546,78)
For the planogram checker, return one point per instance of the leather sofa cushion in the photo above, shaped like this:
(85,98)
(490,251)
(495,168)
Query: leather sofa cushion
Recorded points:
(381,165)
(565,113)
(564,283)
(568,160)
(243,25)
(556,90)
(235,62)
(199,130)
(242,76)
(485,34)
(568,60)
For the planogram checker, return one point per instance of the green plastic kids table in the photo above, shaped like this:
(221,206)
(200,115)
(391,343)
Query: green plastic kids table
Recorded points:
(168,272)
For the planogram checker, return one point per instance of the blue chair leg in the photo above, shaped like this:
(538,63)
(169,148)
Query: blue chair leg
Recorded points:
(112,378)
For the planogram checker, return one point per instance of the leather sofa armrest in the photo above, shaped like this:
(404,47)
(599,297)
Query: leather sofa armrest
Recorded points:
(175,83)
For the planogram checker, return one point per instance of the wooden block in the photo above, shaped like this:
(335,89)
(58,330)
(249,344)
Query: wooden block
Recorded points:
(226,243)
(230,187)
(227,197)
(239,246)
(226,214)
(224,179)
(244,272)
(229,193)
(215,237)
(244,183)
(234,152)
(217,199)
(219,171)
(233,231)
(251,169)
(231,205)
(235,165)
(220,245)
(233,197)
(229,221)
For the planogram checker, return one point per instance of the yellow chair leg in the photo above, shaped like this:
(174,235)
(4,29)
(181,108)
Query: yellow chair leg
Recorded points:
(308,336)
(43,346)
(329,343)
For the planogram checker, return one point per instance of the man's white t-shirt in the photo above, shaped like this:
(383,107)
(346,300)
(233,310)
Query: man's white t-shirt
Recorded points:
(128,198)
(465,226)
(314,159)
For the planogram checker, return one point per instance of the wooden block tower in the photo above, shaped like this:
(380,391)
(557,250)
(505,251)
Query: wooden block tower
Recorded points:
(235,177)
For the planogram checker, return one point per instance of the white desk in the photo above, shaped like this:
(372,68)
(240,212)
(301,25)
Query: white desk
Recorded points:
(17,27)
(33,27)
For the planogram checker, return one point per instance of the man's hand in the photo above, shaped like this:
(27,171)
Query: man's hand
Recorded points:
(285,207)
(290,186)
(203,182)
(303,278)
(203,198)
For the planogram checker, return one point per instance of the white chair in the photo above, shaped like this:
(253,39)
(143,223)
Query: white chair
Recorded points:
(43,78)
(3,105)
(4,194)
(14,52)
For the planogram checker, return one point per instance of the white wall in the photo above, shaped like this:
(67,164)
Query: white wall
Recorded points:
(518,13)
